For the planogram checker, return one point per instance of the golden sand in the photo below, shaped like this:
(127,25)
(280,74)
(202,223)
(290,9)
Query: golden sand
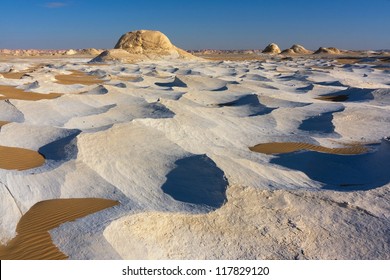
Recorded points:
(288,147)
(13,75)
(19,74)
(77,77)
(3,123)
(33,240)
(12,158)
(11,92)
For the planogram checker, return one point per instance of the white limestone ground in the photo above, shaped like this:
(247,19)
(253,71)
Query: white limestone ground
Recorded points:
(178,123)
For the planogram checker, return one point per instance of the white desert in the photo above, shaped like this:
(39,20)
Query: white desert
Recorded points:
(146,151)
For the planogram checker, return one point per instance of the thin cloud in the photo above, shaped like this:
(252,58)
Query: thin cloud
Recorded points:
(53,5)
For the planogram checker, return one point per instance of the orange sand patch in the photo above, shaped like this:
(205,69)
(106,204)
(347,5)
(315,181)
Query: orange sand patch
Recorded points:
(289,147)
(12,158)
(77,77)
(33,240)
(11,92)
(18,75)
(3,123)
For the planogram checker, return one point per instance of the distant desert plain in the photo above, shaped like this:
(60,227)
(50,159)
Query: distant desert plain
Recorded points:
(149,151)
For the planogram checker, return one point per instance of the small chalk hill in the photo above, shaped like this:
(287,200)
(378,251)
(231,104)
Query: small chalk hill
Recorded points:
(141,45)
(272,49)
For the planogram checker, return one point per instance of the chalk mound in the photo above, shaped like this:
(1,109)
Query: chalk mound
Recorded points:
(272,49)
(296,49)
(90,51)
(288,52)
(117,55)
(329,50)
(70,52)
(140,45)
(150,42)
(300,49)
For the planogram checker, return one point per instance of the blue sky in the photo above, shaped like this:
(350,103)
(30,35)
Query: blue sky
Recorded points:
(215,24)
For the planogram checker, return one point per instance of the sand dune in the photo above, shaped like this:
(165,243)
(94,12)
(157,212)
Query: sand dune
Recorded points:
(289,147)
(19,159)
(33,240)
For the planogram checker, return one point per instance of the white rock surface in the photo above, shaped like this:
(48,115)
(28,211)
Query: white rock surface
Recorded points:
(147,126)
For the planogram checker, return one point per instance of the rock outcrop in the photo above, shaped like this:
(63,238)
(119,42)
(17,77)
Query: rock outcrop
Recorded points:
(90,51)
(272,49)
(329,50)
(296,49)
(70,52)
(141,45)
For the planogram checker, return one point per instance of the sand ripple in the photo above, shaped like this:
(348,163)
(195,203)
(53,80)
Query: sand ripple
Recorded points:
(19,158)
(33,240)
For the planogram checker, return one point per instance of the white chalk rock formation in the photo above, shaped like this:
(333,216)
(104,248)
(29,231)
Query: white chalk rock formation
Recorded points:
(70,52)
(141,45)
(296,49)
(272,49)
(329,50)
(90,51)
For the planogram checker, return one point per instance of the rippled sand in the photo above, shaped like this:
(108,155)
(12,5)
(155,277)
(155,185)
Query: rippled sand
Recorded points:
(20,159)
(33,240)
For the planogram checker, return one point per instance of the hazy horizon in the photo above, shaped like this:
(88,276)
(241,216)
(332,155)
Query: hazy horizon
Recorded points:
(347,24)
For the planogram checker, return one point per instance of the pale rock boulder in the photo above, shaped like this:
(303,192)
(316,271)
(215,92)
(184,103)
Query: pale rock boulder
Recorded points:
(296,49)
(272,49)
(330,50)
(70,52)
(141,45)
(117,55)
(300,49)
(90,51)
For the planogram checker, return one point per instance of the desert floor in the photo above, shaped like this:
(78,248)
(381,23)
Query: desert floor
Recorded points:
(265,158)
